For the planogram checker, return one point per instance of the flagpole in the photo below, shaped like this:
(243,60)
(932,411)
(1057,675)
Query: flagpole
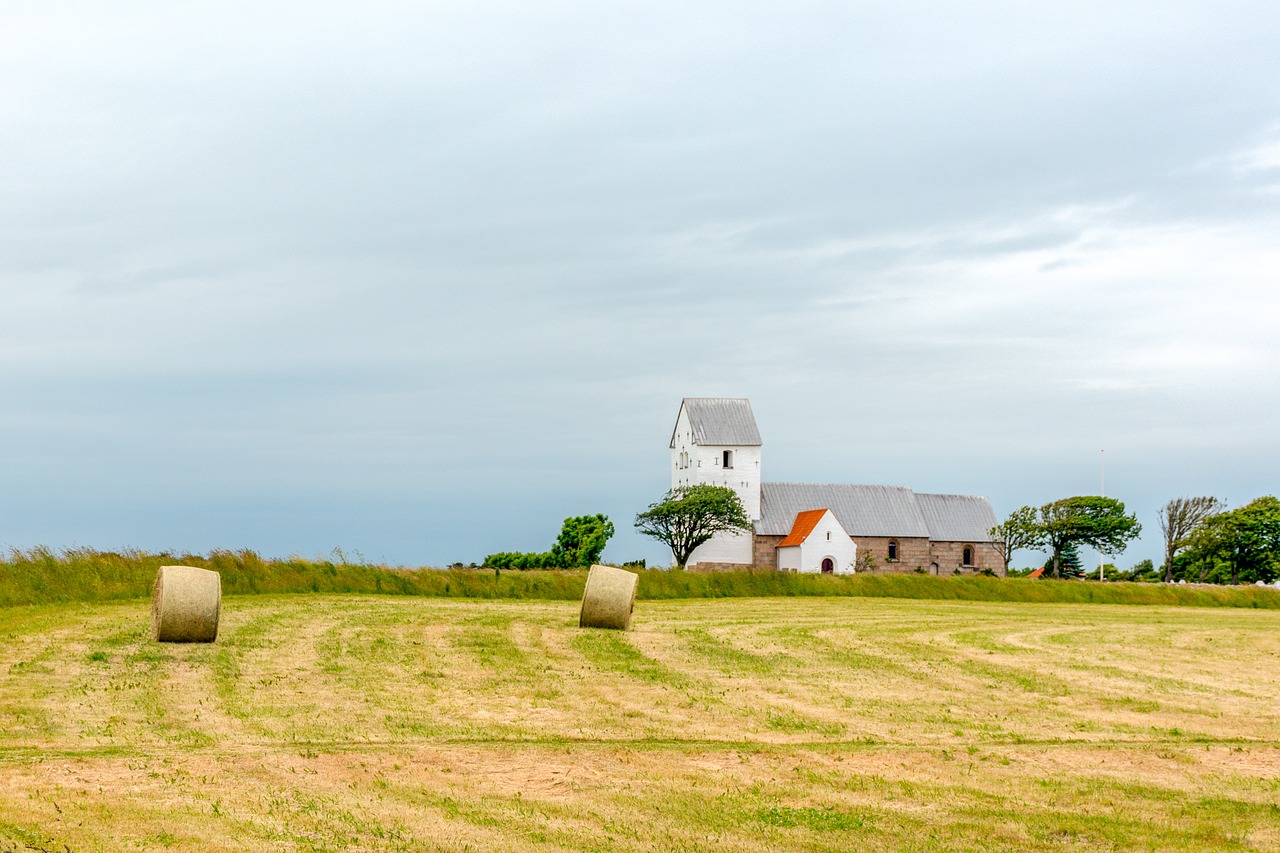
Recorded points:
(1102,454)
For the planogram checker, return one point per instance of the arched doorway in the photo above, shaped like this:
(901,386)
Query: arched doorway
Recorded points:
(933,568)
(828,566)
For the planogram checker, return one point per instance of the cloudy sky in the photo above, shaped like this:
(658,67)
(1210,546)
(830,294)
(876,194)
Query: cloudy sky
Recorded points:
(419,280)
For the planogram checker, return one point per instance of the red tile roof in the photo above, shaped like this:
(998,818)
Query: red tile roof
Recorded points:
(805,522)
(1037,573)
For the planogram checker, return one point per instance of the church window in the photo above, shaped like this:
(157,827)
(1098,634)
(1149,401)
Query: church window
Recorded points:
(728,459)
(968,555)
(893,551)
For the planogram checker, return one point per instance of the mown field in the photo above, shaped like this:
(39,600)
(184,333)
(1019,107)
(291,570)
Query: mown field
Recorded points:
(339,722)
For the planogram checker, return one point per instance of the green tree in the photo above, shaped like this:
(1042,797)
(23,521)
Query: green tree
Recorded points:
(1016,533)
(1086,520)
(688,516)
(582,540)
(1071,565)
(1179,519)
(1247,538)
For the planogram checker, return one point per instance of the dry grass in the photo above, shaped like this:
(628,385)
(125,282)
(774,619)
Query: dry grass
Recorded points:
(363,723)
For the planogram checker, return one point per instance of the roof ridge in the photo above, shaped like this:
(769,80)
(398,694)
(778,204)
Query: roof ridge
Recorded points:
(860,485)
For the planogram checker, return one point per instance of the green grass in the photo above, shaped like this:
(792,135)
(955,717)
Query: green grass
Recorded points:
(40,576)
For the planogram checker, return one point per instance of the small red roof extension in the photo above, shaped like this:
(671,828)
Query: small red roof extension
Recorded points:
(1037,573)
(805,522)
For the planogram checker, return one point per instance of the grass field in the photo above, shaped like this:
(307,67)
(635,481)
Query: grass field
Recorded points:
(326,722)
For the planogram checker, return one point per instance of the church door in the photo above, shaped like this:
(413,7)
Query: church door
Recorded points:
(828,565)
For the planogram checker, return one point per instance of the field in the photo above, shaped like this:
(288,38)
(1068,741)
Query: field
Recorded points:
(343,722)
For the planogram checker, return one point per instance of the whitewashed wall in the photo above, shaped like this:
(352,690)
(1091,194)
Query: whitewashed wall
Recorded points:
(694,464)
(828,539)
(724,548)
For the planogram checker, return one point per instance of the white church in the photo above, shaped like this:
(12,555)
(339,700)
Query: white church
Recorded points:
(821,527)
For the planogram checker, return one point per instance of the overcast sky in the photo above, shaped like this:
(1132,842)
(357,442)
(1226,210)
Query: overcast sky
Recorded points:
(419,280)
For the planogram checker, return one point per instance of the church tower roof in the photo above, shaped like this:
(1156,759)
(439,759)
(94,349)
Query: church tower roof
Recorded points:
(720,421)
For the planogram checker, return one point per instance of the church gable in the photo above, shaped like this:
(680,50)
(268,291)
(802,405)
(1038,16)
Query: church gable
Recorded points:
(804,524)
(817,544)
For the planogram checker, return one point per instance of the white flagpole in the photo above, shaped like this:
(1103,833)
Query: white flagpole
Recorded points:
(1102,454)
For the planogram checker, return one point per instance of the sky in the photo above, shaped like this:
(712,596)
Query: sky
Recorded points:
(417,281)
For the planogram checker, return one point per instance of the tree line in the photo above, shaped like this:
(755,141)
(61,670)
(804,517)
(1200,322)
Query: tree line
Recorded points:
(1204,542)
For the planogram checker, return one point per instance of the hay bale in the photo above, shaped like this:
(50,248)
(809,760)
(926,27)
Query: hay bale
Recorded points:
(609,598)
(185,605)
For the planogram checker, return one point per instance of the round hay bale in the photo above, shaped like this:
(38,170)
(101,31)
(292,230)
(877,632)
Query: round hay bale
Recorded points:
(609,598)
(185,605)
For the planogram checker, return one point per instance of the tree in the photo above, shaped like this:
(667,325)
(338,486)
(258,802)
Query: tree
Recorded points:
(1071,565)
(1179,518)
(1248,538)
(582,540)
(1086,520)
(688,516)
(1017,532)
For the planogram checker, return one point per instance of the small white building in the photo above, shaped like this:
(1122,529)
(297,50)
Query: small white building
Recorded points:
(817,544)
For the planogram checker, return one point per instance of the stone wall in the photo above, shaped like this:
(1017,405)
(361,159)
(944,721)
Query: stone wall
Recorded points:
(698,568)
(764,550)
(913,551)
(950,555)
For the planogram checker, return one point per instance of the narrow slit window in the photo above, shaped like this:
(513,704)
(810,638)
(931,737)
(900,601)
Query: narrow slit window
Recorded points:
(893,551)
(728,459)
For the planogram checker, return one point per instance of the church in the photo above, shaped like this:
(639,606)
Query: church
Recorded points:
(821,527)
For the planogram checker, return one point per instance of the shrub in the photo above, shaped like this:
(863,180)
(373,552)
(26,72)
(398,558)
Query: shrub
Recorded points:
(580,544)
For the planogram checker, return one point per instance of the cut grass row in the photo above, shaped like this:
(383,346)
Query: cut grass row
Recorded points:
(385,723)
(41,576)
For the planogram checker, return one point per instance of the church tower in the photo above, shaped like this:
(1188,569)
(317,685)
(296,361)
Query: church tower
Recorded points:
(715,441)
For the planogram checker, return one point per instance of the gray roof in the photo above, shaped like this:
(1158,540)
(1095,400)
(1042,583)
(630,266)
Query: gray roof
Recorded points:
(861,510)
(877,511)
(720,420)
(957,518)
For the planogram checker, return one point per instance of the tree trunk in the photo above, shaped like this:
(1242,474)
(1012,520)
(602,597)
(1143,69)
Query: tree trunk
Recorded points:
(1057,561)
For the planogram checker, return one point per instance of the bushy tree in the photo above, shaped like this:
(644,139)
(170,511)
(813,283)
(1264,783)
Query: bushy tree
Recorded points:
(1246,540)
(581,543)
(688,516)
(582,539)
(1017,532)
(1086,520)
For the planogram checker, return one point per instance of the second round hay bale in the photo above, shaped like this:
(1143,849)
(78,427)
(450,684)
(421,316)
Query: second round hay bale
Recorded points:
(609,598)
(186,603)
